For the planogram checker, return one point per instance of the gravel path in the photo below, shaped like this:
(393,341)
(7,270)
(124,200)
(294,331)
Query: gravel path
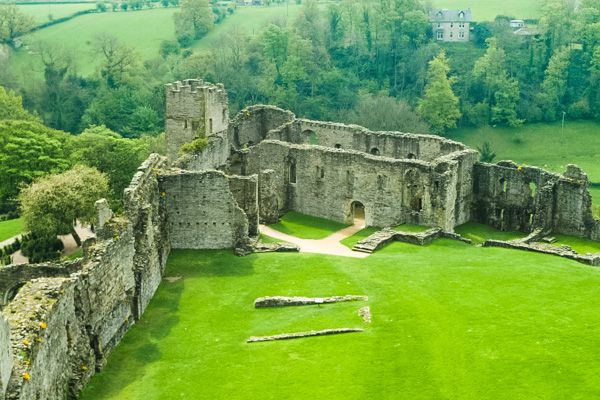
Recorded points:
(330,245)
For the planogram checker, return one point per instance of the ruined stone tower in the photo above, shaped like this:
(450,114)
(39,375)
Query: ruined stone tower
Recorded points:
(193,109)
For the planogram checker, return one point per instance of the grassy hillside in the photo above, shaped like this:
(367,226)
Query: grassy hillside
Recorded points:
(10,228)
(544,145)
(486,10)
(144,30)
(41,12)
(247,21)
(450,321)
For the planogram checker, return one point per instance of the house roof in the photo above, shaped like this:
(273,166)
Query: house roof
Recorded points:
(444,15)
(527,31)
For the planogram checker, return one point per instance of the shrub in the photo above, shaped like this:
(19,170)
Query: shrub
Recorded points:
(101,6)
(41,248)
(195,147)
(486,152)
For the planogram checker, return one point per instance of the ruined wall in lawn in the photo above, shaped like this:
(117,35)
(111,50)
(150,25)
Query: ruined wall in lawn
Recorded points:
(62,329)
(524,198)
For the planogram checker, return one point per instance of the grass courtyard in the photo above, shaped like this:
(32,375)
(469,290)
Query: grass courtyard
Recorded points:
(10,228)
(450,321)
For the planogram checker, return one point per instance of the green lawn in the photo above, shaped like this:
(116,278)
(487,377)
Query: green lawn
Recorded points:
(411,228)
(350,241)
(246,22)
(486,10)
(578,244)
(41,12)
(10,228)
(306,226)
(450,321)
(544,145)
(479,233)
(143,30)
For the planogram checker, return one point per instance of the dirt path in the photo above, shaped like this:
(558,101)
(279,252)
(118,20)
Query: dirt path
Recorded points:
(330,245)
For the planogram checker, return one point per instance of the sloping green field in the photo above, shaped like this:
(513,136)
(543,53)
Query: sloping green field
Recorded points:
(143,30)
(450,321)
(487,10)
(41,12)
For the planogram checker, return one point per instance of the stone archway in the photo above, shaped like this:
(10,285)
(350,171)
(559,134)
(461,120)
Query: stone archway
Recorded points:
(310,136)
(358,214)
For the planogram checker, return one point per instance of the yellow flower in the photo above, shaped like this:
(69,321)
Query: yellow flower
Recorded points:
(519,168)
(27,362)
(26,342)
(26,376)
(39,339)
(84,367)
(43,325)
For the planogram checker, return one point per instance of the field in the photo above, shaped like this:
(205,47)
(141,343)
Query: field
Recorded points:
(10,228)
(543,145)
(143,30)
(450,321)
(305,226)
(246,22)
(486,10)
(41,12)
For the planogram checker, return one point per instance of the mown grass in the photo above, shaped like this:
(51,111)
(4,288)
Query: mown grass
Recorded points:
(306,226)
(544,145)
(450,321)
(350,241)
(10,228)
(580,245)
(143,30)
(487,10)
(268,239)
(411,228)
(41,12)
(479,233)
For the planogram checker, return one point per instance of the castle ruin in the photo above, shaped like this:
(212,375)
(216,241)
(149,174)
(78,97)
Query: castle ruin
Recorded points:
(60,321)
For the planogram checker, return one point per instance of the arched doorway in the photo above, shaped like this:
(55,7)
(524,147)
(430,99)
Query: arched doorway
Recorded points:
(358,213)
(310,136)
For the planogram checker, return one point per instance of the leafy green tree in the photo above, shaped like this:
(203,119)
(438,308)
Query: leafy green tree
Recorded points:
(52,205)
(13,22)
(111,154)
(195,15)
(501,91)
(486,154)
(554,86)
(385,113)
(439,105)
(28,150)
(11,107)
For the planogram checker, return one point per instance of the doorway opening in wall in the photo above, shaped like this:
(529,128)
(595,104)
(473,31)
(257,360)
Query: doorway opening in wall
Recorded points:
(358,214)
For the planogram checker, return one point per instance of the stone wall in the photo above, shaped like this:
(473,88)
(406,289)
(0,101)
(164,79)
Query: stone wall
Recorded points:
(6,359)
(326,182)
(388,144)
(524,198)
(252,124)
(202,211)
(63,328)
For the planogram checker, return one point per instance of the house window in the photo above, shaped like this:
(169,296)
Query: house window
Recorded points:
(439,25)
(461,24)
(461,34)
(440,35)
(451,25)
(451,34)
(461,15)
(210,125)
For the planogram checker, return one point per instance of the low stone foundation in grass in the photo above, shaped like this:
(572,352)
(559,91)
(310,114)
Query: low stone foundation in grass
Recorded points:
(282,301)
(387,235)
(561,251)
(298,335)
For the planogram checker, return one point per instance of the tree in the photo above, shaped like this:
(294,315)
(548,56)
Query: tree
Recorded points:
(28,150)
(195,15)
(554,86)
(13,22)
(109,153)
(385,113)
(11,107)
(52,205)
(439,105)
(118,60)
(501,91)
